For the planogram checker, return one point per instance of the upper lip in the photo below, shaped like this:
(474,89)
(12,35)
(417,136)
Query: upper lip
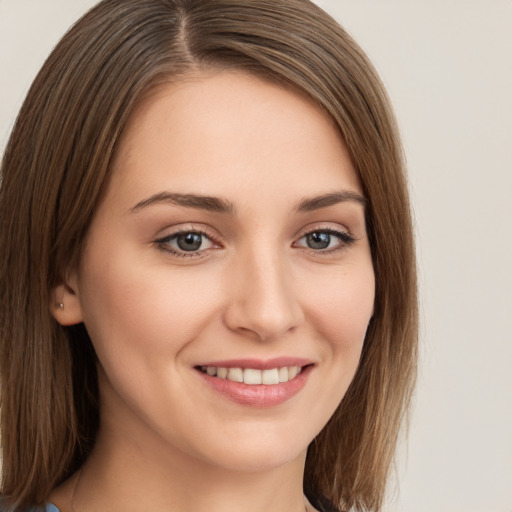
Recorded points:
(259,364)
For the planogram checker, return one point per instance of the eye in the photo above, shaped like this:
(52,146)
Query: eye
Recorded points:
(325,240)
(186,243)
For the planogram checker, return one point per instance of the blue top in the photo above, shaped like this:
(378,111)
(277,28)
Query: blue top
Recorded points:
(49,507)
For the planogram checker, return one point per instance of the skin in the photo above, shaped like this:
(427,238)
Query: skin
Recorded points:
(254,289)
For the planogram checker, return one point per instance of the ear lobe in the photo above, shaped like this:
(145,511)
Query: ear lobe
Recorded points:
(65,305)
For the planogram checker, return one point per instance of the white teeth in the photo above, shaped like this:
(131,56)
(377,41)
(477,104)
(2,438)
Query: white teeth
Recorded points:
(292,372)
(252,376)
(269,377)
(236,374)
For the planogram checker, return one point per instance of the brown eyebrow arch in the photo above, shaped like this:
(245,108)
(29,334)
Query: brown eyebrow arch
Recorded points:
(220,205)
(208,203)
(325,200)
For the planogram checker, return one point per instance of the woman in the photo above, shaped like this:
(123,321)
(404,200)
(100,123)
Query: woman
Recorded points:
(208,295)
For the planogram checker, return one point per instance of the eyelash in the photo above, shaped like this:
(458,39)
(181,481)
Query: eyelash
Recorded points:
(344,237)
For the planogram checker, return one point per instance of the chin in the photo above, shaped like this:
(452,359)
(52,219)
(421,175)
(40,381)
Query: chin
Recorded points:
(258,459)
(257,450)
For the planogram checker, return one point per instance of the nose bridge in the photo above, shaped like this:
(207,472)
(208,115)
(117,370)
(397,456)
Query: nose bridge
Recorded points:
(263,298)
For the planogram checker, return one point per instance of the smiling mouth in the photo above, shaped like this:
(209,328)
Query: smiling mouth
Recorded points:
(253,376)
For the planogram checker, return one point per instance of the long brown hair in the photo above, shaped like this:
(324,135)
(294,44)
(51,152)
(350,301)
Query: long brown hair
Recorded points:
(56,166)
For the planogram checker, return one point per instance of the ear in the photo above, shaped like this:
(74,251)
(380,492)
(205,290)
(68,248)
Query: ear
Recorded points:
(65,303)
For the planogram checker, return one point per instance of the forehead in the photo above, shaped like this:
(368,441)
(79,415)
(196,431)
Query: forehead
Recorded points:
(217,127)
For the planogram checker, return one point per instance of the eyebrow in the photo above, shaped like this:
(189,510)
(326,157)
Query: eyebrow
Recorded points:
(221,205)
(325,200)
(200,202)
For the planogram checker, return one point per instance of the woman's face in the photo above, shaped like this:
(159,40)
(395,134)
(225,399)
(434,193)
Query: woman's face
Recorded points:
(230,245)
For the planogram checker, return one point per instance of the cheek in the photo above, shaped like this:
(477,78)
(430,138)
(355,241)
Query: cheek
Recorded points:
(341,306)
(140,313)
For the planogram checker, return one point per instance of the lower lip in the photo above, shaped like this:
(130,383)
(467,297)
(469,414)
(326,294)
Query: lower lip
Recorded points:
(258,395)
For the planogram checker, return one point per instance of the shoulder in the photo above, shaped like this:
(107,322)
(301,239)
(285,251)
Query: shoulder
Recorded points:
(49,507)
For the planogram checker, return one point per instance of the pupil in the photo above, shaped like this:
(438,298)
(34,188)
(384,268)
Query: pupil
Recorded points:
(189,241)
(319,240)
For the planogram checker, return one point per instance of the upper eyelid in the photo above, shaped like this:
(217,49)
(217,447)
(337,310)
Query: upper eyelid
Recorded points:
(341,234)
(323,226)
(174,231)
(175,234)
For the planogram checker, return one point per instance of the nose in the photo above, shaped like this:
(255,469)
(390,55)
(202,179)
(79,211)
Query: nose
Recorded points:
(262,297)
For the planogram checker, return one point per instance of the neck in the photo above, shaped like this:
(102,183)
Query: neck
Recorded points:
(123,474)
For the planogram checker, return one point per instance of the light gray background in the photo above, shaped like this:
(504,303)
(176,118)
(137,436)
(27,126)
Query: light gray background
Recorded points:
(448,69)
